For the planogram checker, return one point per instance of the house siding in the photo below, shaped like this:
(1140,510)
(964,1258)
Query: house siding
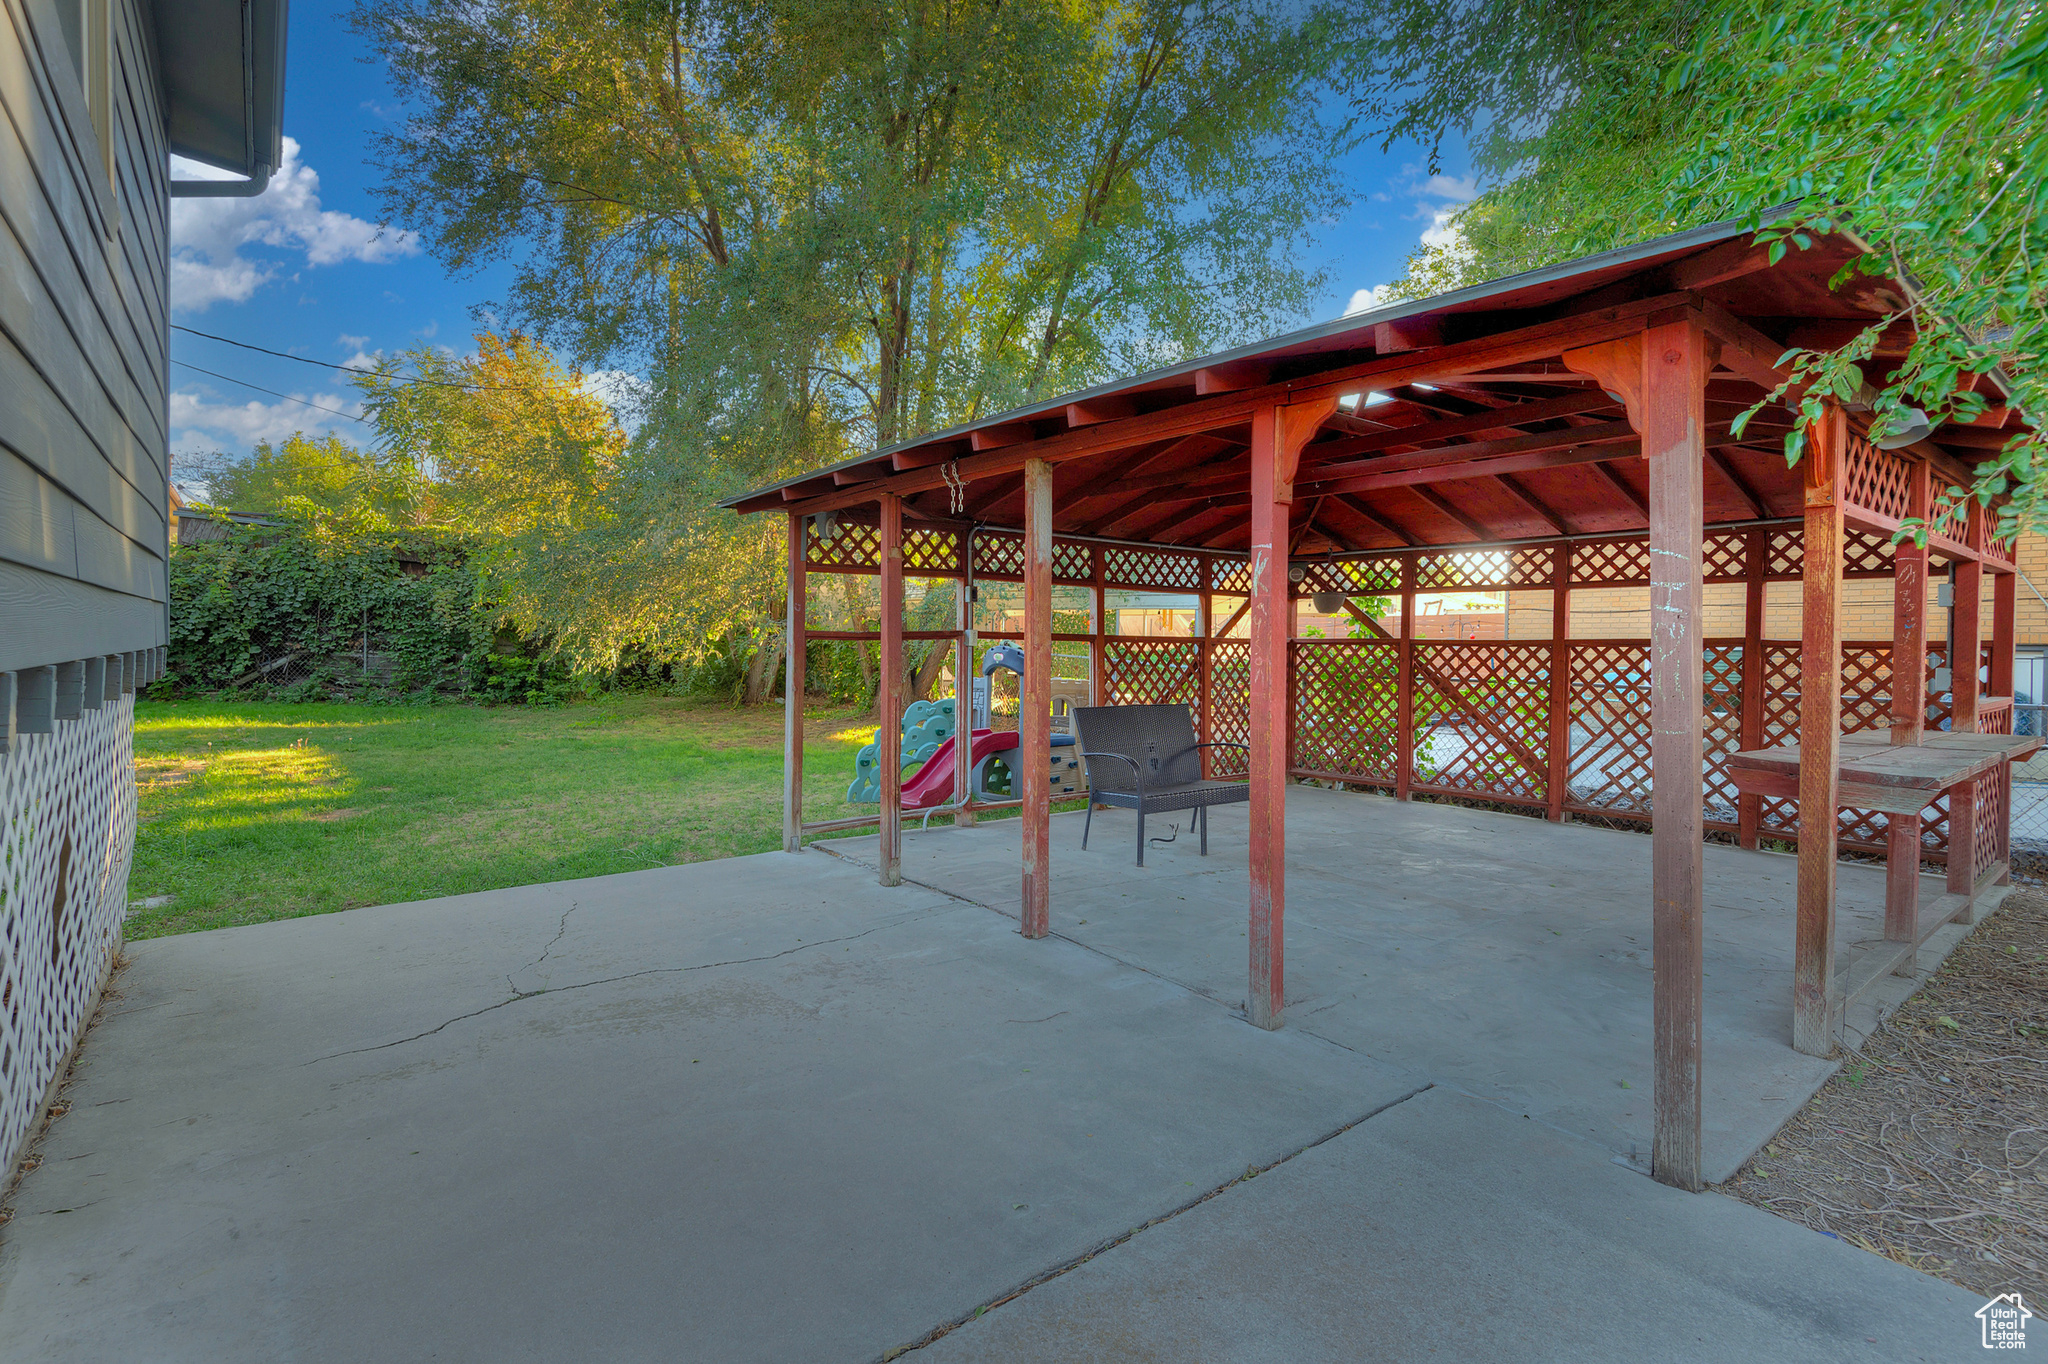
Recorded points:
(84,304)
(84,308)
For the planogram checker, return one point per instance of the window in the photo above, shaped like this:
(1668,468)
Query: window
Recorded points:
(88,37)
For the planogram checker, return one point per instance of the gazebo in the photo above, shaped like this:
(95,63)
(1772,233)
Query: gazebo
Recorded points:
(1565,430)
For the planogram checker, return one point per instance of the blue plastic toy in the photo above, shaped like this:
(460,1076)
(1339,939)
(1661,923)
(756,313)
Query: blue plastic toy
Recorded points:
(926,725)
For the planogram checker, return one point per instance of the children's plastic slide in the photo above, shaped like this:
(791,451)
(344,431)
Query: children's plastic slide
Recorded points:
(932,784)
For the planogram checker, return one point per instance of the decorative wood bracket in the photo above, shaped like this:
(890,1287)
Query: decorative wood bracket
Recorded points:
(1618,365)
(1294,426)
(1827,442)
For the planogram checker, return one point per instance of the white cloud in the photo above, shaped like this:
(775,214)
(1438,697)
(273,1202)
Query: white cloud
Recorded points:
(1437,200)
(208,235)
(1365,300)
(200,420)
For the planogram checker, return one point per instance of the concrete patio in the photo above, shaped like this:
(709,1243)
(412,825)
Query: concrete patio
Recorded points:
(1498,954)
(765,1109)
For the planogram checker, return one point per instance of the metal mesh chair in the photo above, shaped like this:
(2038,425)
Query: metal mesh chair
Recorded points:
(1145,758)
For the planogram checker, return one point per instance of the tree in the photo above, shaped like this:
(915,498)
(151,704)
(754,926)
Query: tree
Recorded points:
(820,226)
(1920,127)
(321,471)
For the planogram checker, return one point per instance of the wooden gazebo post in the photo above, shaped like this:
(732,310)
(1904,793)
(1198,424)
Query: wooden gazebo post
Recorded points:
(1034,718)
(793,692)
(1908,715)
(1814,990)
(1279,431)
(889,703)
(1661,377)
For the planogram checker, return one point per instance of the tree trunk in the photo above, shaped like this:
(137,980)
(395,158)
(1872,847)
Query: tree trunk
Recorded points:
(936,654)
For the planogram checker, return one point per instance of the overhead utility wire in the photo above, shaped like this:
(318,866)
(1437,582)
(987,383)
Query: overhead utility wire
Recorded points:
(357,369)
(271,391)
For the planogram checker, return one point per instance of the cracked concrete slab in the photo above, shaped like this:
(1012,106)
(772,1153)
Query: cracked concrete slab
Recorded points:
(753,1109)
(1447,1228)
(1498,954)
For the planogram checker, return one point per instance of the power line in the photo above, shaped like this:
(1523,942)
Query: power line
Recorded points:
(229,378)
(322,364)
(357,369)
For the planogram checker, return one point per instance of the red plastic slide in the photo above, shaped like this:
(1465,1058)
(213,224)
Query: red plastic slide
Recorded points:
(932,784)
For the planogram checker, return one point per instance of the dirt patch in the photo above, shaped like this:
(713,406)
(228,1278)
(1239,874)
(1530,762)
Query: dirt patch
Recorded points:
(1928,1146)
(331,816)
(167,771)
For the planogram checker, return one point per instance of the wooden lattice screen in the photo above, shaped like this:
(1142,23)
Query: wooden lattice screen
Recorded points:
(1481,710)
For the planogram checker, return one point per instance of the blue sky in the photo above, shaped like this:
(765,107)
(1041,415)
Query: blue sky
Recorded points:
(306,268)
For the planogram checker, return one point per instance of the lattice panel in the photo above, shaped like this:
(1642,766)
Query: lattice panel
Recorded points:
(1724,557)
(1607,764)
(1866,704)
(1786,557)
(1990,827)
(1156,569)
(1877,480)
(1482,717)
(1955,523)
(1866,687)
(1151,672)
(1230,705)
(1721,730)
(67,832)
(1482,570)
(1358,577)
(1866,554)
(851,548)
(931,552)
(1232,577)
(1610,563)
(998,554)
(1072,562)
(1346,698)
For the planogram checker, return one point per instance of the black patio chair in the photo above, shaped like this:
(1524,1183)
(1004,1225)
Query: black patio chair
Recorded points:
(1145,758)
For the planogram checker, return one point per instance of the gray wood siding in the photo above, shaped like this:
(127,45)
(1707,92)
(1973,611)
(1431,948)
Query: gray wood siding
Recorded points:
(84,347)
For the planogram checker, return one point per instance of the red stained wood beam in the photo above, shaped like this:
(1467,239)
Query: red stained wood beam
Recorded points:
(1506,418)
(1375,518)
(1232,376)
(1002,437)
(1477,468)
(1614,432)
(1225,409)
(1736,481)
(1624,487)
(1444,508)
(1514,489)
(1095,411)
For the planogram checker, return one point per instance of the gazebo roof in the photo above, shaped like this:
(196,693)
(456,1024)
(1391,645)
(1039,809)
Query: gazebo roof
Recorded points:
(1468,426)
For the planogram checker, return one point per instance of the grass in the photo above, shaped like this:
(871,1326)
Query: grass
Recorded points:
(255,811)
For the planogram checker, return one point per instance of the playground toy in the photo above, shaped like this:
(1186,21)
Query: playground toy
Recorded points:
(929,730)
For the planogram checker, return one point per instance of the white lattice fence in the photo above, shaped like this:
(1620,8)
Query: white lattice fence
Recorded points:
(67,832)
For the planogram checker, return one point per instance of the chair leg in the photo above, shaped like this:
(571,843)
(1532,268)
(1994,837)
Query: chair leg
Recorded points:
(1203,814)
(1087,820)
(1141,835)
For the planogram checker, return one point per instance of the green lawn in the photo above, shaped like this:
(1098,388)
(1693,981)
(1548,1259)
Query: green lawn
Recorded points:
(254,811)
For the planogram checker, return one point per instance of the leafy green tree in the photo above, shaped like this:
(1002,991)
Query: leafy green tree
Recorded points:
(1919,127)
(819,226)
(319,471)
